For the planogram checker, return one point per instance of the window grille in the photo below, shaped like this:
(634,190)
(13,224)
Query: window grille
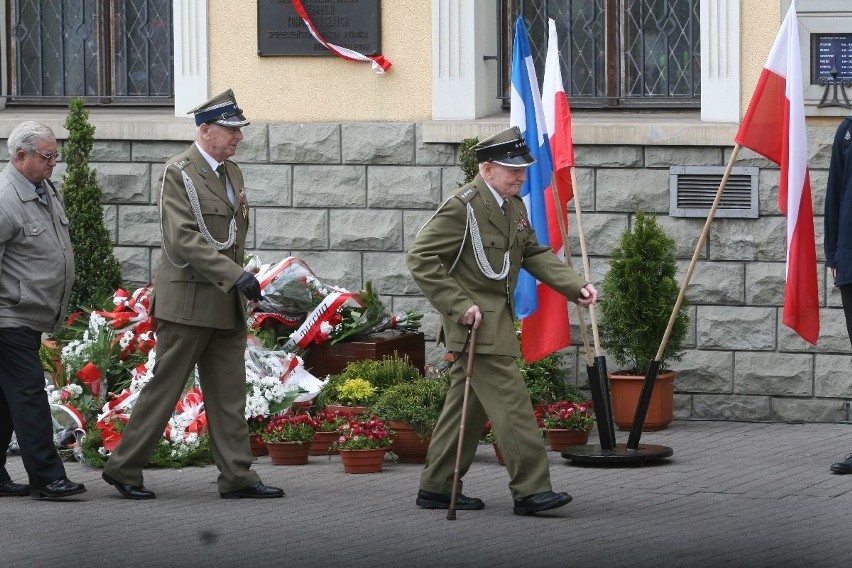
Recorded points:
(692,190)
(107,51)
(615,53)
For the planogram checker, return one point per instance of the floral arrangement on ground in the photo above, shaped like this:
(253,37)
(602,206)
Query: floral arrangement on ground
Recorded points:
(108,356)
(566,415)
(301,310)
(290,428)
(369,434)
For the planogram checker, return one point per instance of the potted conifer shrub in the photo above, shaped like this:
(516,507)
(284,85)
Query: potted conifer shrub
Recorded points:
(638,295)
(412,410)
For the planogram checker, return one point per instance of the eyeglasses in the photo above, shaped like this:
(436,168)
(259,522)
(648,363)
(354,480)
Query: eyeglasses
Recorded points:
(48,157)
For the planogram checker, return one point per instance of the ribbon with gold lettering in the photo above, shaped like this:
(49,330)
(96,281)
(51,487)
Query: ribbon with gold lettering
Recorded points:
(378,62)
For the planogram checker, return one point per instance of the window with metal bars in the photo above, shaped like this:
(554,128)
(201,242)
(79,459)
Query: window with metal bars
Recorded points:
(614,53)
(110,52)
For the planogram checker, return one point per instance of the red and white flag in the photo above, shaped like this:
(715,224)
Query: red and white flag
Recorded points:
(774,127)
(378,63)
(557,118)
(547,329)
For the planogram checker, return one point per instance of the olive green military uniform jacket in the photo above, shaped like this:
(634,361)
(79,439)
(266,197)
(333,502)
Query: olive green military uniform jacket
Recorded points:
(443,263)
(194,284)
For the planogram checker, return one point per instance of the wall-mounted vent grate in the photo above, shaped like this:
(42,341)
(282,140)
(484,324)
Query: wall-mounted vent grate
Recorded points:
(692,190)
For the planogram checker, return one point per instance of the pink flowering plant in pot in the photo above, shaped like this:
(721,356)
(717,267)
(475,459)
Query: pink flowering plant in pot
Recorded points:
(565,415)
(330,420)
(290,428)
(369,434)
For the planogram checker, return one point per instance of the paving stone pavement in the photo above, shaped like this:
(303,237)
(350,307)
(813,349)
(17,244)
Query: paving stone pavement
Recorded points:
(733,494)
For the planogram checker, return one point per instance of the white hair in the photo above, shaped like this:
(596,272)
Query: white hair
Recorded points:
(26,135)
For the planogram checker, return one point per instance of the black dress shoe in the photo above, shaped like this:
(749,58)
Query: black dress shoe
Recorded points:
(9,488)
(130,491)
(843,467)
(256,491)
(62,487)
(429,500)
(539,502)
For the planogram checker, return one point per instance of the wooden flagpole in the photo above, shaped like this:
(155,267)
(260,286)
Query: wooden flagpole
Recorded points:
(598,383)
(654,367)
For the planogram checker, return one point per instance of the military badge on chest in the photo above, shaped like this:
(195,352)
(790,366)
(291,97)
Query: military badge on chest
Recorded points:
(522,225)
(243,204)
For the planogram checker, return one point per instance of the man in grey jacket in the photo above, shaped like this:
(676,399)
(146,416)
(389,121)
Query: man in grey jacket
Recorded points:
(36,274)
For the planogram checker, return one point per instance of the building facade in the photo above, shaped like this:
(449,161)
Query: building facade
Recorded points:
(343,166)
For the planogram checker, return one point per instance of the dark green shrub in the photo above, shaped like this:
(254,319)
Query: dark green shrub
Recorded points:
(467,160)
(637,298)
(545,379)
(417,403)
(380,373)
(98,271)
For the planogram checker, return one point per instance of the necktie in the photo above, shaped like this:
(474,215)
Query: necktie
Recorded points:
(224,179)
(42,194)
(505,206)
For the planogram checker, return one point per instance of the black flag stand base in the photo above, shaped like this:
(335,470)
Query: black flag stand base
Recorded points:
(593,454)
(608,452)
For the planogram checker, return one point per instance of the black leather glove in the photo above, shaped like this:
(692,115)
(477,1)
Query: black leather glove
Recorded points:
(249,286)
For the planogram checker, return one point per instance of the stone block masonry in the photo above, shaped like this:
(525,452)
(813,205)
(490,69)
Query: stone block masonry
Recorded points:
(350,197)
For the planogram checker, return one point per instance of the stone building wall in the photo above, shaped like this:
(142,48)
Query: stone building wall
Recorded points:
(349,198)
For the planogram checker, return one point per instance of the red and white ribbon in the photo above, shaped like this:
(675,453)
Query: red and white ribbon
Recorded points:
(379,63)
(189,418)
(306,333)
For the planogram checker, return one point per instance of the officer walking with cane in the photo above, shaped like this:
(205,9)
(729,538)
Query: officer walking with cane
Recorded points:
(466,260)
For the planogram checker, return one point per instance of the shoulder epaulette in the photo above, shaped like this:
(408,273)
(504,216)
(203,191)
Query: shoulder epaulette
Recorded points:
(181,164)
(467,194)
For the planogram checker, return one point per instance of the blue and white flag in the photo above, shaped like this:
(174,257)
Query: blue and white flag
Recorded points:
(526,113)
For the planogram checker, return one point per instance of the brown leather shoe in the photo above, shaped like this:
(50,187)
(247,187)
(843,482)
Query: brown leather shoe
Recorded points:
(9,488)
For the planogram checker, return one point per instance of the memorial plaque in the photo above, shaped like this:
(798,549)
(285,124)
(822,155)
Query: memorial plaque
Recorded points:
(831,51)
(353,24)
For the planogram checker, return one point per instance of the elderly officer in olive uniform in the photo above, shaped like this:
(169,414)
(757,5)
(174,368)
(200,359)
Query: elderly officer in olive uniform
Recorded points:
(200,291)
(466,260)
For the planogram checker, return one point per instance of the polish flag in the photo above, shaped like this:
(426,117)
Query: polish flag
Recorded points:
(774,127)
(557,118)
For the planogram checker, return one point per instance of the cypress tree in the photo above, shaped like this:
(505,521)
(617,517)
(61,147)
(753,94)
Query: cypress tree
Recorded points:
(98,271)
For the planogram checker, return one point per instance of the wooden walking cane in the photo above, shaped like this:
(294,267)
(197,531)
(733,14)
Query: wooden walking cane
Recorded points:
(598,383)
(654,366)
(451,513)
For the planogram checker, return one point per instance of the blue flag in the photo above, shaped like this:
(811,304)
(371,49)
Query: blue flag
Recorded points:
(526,113)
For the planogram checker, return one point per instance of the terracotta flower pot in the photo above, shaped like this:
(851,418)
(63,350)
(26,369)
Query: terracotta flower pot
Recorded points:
(561,438)
(625,390)
(321,443)
(407,445)
(347,410)
(288,453)
(258,446)
(362,461)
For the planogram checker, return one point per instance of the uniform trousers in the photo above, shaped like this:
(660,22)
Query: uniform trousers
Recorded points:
(220,355)
(498,393)
(24,408)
